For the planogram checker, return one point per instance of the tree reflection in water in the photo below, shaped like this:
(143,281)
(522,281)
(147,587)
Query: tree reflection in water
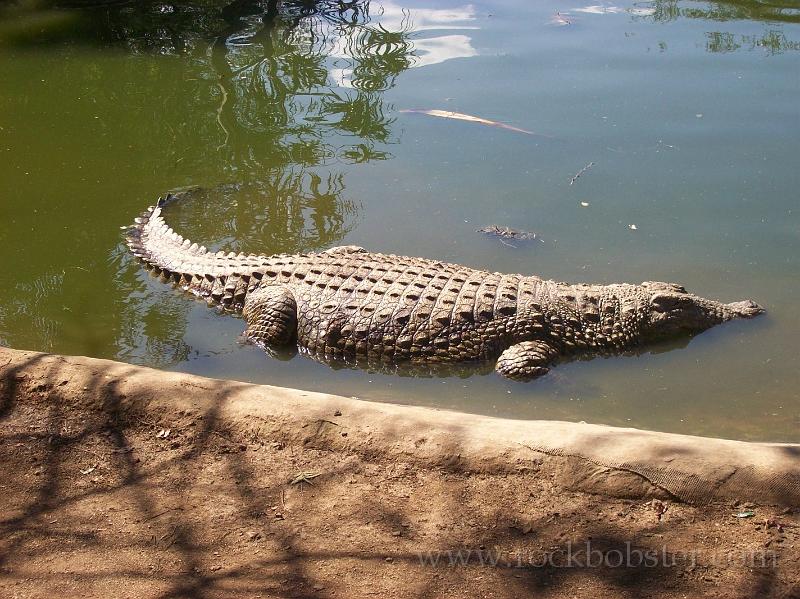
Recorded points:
(257,120)
(774,12)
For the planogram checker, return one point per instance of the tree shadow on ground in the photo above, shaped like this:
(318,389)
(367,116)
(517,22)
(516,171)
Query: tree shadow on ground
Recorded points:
(194,504)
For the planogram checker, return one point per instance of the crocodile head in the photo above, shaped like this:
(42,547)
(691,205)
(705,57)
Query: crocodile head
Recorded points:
(673,311)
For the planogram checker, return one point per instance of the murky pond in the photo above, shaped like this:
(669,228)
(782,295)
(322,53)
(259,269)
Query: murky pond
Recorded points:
(300,123)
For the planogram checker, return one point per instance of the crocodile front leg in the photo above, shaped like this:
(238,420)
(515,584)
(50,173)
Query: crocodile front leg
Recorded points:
(271,316)
(526,361)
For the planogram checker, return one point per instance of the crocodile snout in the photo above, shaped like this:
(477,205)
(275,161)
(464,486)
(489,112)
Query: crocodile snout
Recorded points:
(744,309)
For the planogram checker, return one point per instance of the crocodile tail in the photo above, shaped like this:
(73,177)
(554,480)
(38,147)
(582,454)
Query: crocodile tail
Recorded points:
(157,245)
(219,278)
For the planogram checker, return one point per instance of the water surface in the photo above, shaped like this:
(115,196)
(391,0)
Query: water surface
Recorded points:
(289,118)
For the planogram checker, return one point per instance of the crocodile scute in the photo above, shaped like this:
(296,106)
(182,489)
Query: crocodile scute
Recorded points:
(346,304)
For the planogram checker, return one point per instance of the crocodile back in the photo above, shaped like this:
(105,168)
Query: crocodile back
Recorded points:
(395,307)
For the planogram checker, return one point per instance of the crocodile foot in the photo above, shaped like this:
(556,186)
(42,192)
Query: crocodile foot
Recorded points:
(526,361)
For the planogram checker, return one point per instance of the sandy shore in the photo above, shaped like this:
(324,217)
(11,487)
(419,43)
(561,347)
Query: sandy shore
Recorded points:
(122,481)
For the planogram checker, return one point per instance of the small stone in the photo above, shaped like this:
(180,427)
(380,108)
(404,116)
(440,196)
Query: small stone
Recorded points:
(397,533)
(389,559)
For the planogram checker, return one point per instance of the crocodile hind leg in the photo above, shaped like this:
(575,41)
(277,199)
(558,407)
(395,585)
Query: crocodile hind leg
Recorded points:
(271,316)
(526,360)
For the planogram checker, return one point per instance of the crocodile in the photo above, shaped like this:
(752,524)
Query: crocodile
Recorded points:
(348,305)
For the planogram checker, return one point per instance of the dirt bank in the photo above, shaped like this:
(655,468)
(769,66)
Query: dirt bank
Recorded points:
(120,481)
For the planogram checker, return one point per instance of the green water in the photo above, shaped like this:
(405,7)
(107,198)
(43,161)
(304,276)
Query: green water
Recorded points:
(289,119)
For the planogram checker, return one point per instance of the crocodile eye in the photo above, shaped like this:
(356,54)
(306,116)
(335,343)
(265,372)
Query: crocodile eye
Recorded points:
(667,302)
(661,303)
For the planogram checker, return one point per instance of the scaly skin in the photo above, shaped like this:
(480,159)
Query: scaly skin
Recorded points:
(353,306)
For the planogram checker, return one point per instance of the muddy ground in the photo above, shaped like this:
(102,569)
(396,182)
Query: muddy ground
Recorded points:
(121,498)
